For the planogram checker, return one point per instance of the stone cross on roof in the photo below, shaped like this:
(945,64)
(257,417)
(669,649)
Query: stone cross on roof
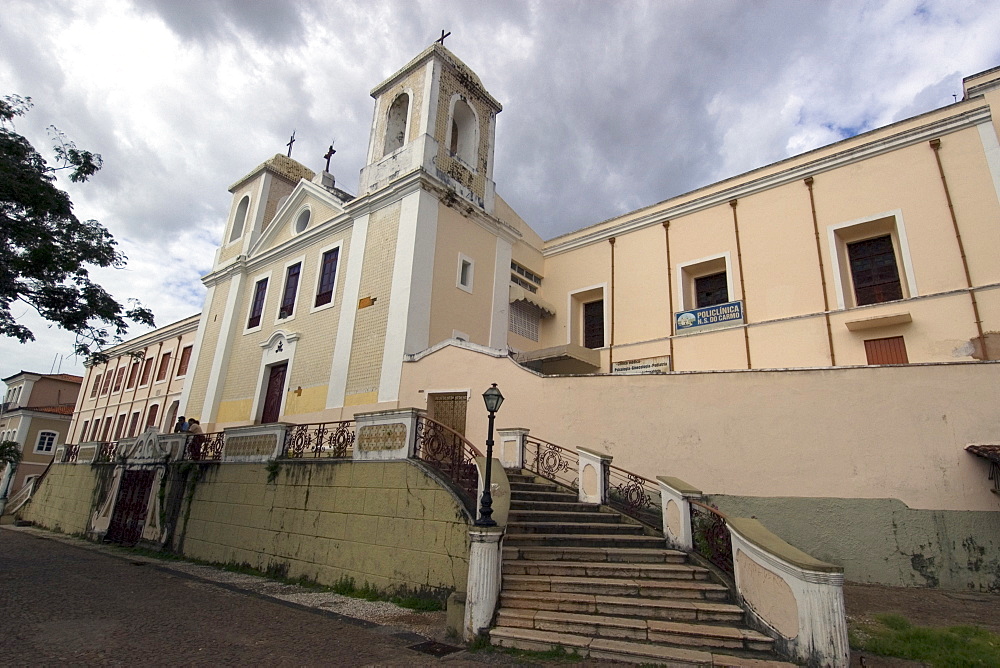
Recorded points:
(329,154)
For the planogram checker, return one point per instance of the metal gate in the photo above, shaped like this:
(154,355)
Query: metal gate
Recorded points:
(129,515)
(448,408)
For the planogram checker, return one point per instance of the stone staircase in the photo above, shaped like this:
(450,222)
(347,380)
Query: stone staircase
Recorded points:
(589,579)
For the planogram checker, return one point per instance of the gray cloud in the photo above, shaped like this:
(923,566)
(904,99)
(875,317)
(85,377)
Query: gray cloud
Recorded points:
(607,106)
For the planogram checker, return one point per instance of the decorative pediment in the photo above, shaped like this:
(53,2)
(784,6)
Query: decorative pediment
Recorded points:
(307,207)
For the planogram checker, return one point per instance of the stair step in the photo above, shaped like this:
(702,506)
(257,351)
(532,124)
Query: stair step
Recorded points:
(555,553)
(605,569)
(638,587)
(582,540)
(620,650)
(533,486)
(652,630)
(623,606)
(563,497)
(576,528)
(518,515)
(572,506)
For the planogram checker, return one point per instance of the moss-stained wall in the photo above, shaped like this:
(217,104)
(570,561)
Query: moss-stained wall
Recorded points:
(67,497)
(883,540)
(386,523)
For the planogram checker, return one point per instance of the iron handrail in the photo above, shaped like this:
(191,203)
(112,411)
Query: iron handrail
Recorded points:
(319,439)
(634,495)
(711,536)
(551,460)
(205,447)
(450,453)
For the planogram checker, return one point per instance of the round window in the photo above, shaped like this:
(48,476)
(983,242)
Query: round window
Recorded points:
(302,222)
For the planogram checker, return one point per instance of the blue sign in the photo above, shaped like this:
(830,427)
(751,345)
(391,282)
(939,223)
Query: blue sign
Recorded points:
(720,314)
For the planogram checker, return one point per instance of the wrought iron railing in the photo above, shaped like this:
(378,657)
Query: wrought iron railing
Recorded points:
(70,453)
(636,496)
(711,536)
(552,461)
(324,439)
(448,451)
(107,453)
(205,447)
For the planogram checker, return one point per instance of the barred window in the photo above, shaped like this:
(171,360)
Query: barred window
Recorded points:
(524,319)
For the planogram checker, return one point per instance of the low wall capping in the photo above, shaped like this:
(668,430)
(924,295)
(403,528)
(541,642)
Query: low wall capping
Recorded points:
(755,533)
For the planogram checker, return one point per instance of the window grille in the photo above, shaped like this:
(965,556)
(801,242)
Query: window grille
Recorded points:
(524,319)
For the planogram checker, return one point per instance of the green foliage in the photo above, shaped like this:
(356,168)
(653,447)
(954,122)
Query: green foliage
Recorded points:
(10,452)
(894,635)
(45,249)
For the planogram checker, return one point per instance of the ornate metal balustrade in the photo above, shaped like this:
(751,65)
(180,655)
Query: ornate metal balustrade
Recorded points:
(107,452)
(636,496)
(711,536)
(551,461)
(70,453)
(448,451)
(324,439)
(205,447)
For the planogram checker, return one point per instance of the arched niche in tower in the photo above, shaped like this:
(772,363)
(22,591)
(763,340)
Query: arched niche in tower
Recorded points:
(463,132)
(396,122)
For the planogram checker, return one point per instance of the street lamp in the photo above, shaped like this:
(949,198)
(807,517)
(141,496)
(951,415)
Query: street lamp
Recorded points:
(493,399)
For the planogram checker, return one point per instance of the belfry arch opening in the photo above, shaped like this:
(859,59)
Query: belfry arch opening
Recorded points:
(395,128)
(463,139)
(240,218)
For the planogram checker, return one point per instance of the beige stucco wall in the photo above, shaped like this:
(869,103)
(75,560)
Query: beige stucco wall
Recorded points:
(778,259)
(452,307)
(65,499)
(868,432)
(386,523)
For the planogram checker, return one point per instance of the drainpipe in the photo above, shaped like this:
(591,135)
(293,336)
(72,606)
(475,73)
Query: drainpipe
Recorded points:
(743,290)
(822,271)
(670,291)
(936,145)
(611,346)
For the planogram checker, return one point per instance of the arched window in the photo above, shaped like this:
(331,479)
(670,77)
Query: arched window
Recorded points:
(240,218)
(395,127)
(464,133)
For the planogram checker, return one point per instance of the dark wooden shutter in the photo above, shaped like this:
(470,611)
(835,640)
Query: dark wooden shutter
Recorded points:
(593,324)
(890,350)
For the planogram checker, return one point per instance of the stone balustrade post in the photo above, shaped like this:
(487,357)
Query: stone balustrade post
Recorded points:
(386,435)
(675,502)
(796,599)
(594,475)
(483,587)
(511,451)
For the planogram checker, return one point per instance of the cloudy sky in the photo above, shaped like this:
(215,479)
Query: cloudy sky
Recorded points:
(608,106)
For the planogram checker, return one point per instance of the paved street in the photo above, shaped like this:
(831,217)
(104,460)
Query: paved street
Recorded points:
(66,604)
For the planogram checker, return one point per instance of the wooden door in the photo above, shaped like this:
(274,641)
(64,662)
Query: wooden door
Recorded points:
(275,391)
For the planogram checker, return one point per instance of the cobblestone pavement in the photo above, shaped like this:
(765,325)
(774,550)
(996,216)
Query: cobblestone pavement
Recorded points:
(65,601)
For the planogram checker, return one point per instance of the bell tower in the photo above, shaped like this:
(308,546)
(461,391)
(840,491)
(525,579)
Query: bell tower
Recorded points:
(434,114)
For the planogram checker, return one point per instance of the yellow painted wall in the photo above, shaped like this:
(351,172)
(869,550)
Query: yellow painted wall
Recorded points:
(385,523)
(65,499)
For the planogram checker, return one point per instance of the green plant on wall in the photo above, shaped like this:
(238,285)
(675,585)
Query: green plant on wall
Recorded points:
(10,452)
(273,468)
